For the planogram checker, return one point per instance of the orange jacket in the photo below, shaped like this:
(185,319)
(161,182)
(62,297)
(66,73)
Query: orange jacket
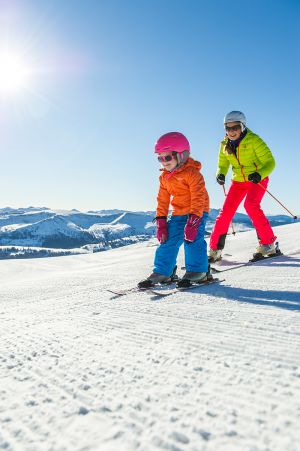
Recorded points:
(184,189)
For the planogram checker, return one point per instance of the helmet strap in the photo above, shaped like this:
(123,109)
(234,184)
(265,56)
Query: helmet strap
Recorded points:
(182,157)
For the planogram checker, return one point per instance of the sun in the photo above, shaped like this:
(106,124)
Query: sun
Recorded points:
(14,73)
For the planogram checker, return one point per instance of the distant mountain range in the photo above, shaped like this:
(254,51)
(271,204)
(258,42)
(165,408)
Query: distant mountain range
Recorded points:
(39,232)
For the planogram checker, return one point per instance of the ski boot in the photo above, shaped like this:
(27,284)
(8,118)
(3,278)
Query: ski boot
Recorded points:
(192,278)
(156,278)
(266,251)
(214,255)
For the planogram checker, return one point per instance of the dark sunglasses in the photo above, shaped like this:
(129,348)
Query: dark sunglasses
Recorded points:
(166,158)
(234,128)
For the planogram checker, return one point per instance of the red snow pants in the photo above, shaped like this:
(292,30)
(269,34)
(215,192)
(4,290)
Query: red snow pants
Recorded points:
(253,194)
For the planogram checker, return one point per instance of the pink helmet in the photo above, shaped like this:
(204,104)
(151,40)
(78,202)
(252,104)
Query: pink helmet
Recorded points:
(172,142)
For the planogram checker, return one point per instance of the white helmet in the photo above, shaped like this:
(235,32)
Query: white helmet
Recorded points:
(235,116)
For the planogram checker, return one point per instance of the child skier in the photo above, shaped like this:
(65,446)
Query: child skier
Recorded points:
(252,162)
(181,185)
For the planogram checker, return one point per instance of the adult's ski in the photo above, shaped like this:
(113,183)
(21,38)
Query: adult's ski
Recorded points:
(256,258)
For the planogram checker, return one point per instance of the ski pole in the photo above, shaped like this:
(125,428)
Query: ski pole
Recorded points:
(225,194)
(293,216)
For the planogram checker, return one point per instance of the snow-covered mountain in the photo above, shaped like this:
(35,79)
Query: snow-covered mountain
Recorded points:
(213,369)
(27,232)
(22,231)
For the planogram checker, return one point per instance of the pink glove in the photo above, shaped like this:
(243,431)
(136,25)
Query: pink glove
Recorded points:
(161,231)
(191,228)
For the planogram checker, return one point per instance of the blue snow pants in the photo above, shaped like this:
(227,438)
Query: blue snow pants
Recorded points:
(195,253)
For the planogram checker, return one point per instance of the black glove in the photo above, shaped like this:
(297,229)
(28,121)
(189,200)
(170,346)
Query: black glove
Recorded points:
(255,177)
(221,179)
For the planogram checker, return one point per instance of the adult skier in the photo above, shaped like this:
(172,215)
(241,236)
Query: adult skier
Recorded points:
(252,162)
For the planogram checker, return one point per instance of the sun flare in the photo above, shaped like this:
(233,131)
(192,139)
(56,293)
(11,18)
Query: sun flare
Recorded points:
(14,73)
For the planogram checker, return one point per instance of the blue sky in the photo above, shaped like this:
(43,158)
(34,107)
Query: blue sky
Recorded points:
(108,77)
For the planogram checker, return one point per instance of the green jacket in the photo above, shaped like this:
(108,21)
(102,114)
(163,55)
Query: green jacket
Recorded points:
(253,155)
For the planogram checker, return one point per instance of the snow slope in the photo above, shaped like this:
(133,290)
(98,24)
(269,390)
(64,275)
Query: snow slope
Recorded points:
(213,369)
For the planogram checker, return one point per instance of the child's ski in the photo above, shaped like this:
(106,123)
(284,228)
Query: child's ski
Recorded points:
(163,290)
(137,289)
(167,292)
(123,292)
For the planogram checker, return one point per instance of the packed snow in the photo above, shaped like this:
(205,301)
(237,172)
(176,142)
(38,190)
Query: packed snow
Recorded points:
(216,368)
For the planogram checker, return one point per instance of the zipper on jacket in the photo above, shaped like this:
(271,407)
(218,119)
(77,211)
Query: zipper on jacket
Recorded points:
(238,159)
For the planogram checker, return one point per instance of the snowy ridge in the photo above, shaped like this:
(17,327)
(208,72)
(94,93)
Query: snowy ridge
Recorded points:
(28,230)
(209,370)
(67,231)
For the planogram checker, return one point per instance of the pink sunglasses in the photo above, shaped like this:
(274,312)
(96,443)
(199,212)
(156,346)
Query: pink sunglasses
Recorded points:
(166,158)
